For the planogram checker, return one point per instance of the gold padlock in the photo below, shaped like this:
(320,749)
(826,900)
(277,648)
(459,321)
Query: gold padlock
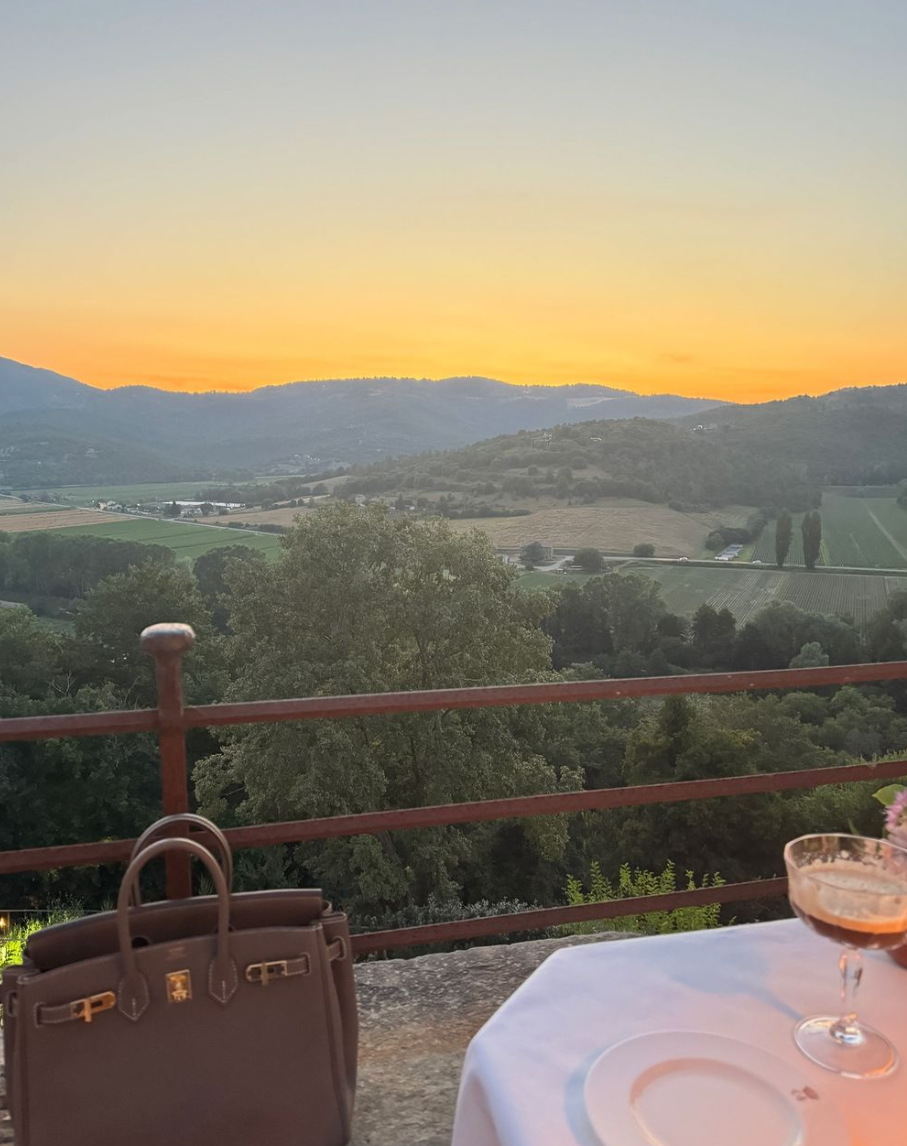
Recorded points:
(179,986)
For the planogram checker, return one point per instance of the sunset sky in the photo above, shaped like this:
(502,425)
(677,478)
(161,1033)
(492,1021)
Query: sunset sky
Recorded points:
(707,197)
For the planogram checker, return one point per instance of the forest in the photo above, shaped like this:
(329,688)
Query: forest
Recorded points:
(364,600)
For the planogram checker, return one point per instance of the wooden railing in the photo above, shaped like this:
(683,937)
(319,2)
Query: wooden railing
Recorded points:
(171,719)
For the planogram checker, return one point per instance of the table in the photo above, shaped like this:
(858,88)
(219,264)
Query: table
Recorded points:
(523,1076)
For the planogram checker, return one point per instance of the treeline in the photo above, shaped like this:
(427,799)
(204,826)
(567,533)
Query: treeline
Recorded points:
(620,626)
(369,601)
(52,565)
(268,493)
(742,534)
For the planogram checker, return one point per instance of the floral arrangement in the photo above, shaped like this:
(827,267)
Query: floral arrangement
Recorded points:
(894,799)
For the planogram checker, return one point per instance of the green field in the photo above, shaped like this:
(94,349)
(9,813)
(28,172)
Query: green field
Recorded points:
(187,540)
(746,591)
(536,580)
(864,532)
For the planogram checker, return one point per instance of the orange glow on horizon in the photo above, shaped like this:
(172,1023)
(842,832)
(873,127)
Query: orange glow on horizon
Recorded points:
(223,197)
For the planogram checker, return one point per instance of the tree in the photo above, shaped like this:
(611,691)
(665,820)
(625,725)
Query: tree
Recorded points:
(783,532)
(777,634)
(532,554)
(713,637)
(606,620)
(644,549)
(172,510)
(210,569)
(811,655)
(811,529)
(72,790)
(363,601)
(588,559)
(686,739)
(30,654)
(107,628)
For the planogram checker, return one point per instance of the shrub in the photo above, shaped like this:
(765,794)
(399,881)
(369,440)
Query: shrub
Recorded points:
(14,938)
(644,549)
(635,883)
(439,910)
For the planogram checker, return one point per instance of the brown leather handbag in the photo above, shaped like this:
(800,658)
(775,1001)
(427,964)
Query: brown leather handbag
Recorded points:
(215,1021)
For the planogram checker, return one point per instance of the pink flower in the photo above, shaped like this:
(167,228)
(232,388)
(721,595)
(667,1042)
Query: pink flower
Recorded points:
(895,811)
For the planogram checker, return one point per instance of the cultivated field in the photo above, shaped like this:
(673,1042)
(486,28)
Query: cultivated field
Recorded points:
(10,506)
(184,538)
(864,532)
(53,517)
(285,516)
(746,591)
(613,528)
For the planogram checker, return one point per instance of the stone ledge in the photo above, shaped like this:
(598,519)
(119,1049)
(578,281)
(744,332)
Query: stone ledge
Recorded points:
(417,1017)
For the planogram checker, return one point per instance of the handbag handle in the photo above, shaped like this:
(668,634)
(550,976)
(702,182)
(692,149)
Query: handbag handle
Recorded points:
(223,848)
(133,995)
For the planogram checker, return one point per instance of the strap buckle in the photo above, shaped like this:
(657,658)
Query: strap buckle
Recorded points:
(85,1009)
(264,972)
(276,969)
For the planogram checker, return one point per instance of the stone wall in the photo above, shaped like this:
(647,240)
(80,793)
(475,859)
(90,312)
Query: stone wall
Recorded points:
(417,1018)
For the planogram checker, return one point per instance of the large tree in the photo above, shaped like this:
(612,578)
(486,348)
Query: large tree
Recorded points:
(811,529)
(783,532)
(210,569)
(606,617)
(107,628)
(714,632)
(361,601)
(588,559)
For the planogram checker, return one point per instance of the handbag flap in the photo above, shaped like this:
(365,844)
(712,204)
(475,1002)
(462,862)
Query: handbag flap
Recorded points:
(95,935)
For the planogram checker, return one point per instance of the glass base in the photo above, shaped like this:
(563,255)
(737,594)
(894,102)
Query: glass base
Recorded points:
(846,1048)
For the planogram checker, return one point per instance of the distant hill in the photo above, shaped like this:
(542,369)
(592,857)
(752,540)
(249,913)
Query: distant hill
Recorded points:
(856,436)
(56,431)
(772,455)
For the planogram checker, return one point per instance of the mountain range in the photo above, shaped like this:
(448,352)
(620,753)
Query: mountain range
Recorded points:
(57,431)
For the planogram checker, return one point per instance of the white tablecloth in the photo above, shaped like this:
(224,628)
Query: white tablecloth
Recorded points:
(523,1077)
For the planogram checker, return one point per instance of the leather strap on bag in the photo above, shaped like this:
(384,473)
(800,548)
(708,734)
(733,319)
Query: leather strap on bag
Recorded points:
(132,993)
(160,826)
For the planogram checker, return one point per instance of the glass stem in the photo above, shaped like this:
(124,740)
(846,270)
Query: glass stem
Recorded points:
(846,1030)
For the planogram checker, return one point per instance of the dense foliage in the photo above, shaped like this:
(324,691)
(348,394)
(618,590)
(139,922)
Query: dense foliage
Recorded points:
(654,461)
(51,564)
(364,600)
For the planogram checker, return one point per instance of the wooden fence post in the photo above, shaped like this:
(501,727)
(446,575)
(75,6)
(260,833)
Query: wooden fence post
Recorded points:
(167,643)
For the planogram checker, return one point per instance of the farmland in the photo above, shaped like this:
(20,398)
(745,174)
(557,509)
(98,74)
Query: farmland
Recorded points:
(745,591)
(55,518)
(862,532)
(613,527)
(285,515)
(187,540)
(11,506)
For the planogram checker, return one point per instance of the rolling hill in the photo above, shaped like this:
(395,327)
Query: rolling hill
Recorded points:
(57,431)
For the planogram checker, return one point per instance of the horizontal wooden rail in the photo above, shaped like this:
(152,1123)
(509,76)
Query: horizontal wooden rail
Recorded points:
(167,643)
(539,918)
(78,724)
(434,700)
(560,692)
(477,811)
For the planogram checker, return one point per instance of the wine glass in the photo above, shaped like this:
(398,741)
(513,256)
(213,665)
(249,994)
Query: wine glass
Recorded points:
(852,889)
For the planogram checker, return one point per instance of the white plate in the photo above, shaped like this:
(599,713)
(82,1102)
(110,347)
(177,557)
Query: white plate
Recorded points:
(682,1088)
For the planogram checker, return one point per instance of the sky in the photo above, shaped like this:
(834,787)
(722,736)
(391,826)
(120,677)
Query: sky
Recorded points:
(704,197)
